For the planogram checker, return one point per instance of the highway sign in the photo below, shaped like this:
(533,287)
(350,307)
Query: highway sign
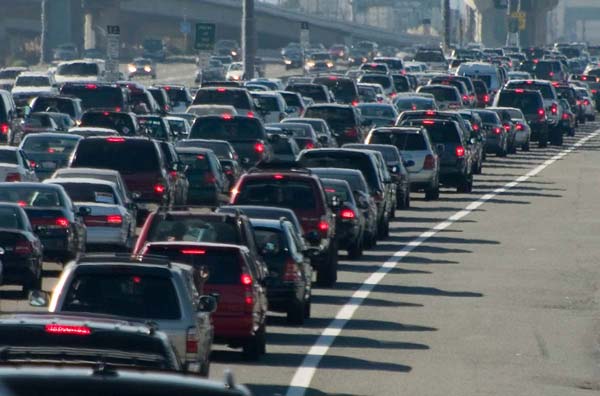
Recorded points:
(205,36)
(304,35)
(185,27)
(113,42)
(521,17)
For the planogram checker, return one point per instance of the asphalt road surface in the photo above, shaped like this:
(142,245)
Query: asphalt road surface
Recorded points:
(489,293)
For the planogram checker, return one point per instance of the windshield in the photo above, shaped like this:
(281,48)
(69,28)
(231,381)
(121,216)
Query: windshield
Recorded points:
(226,129)
(292,194)
(8,157)
(315,92)
(223,96)
(93,96)
(54,104)
(9,218)
(377,111)
(384,81)
(154,127)
(545,89)
(526,102)
(30,81)
(443,133)
(9,74)
(189,229)
(116,155)
(269,103)
(333,115)
(31,196)
(441,94)
(88,192)
(78,69)
(120,122)
(429,56)
(403,141)
(45,144)
(196,162)
(414,104)
(343,89)
(355,180)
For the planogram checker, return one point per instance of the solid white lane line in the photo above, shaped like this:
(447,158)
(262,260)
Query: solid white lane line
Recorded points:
(307,369)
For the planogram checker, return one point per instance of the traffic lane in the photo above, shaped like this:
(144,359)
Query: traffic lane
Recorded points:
(503,303)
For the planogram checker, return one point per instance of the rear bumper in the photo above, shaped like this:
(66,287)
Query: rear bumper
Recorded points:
(206,195)
(522,137)
(346,234)
(233,328)
(452,176)
(106,235)
(421,177)
(19,270)
(280,296)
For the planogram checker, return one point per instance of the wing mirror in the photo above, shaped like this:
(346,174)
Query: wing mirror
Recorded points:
(136,195)
(84,211)
(323,139)
(313,237)
(335,201)
(409,163)
(39,298)
(207,304)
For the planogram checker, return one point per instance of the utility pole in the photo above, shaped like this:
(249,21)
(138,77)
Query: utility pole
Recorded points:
(44,50)
(447,23)
(248,38)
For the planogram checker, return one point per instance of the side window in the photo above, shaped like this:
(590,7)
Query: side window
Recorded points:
(248,232)
(294,246)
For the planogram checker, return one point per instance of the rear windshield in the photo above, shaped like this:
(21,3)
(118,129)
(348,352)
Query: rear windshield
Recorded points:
(8,156)
(356,181)
(268,103)
(291,100)
(283,146)
(377,111)
(32,81)
(480,87)
(54,104)
(441,93)
(10,74)
(132,294)
(223,265)
(333,115)
(154,127)
(88,192)
(546,67)
(335,189)
(276,241)
(443,133)
(345,161)
(236,98)
(342,88)
(414,104)
(226,129)
(120,122)
(196,162)
(93,96)
(189,229)
(31,196)
(314,92)
(292,194)
(9,218)
(429,56)
(177,95)
(384,81)
(401,83)
(45,144)
(489,117)
(221,150)
(545,89)
(78,69)
(403,141)
(117,156)
(528,103)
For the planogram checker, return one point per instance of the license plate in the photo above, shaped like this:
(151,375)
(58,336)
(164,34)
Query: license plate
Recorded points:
(49,165)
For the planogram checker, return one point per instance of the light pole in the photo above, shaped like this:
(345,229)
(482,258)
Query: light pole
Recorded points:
(248,38)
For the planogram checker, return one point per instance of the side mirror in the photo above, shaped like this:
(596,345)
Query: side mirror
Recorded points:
(207,304)
(289,110)
(323,139)
(84,211)
(39,298)
(394,170)
(136,195)
(472,141)
(313,237)
(409,163)
(440,148)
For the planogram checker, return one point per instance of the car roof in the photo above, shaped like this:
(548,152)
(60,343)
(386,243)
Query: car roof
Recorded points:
(31,185)
(338,171)
(193,150)
(91,129)
(96,171)
(81,180)
(9,148)
(53,135)
(268,223)
(222,246)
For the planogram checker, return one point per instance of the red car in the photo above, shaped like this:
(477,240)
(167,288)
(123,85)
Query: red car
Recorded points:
(240,319)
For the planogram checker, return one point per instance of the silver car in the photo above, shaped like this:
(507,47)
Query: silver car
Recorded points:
(415,146)
(110,222)
(522,129)
(147,290)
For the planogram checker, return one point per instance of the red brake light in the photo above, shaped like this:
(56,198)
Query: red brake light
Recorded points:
(192,251)
(23,248)
(520,127)
(465,98)
(541,112)
(91,86)
(115,140)
(167,88)
(4,128)
(22,203)
(330,190)
(594,91)
(565,116)
(278,176)
(67,330)
(460,151)
(191,341)
(430,112)
(497,130)
(551,74)
(309,145)
(475,127)
(221,90)
(159,188)
(586,102)
(519,90)
(332,77)
(554,109)
(529,82)
(13,177)
(291,272)
(355,103)
(136,279)
(62,222)
(118,109)
(507,127)
(250,114)
(226,116)
(486,98)
(429,162)
(246,279)
(323,225)
(106,113)
(259,147)
(347,214)
(428,122)
(114,219)
(200,156)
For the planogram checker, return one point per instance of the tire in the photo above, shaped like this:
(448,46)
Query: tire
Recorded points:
(571,132)
(255,346)
(307,309)
(432,194)
(295,313)
(513,149)
(205,369)
(370,240)
(407,200)
(466,185)
(355,251)
(525,147)
(593,118)
(557,140)
(501,153)
(327,276)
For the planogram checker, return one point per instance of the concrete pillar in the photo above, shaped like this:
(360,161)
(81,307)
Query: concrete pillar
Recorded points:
(89,36)
(493,27)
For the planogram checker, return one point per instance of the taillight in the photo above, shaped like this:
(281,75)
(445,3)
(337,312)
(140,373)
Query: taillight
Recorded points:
(465,98)
(323,226)
(460,151)
(259,147)
(209,178)
(475,127)
(191,341)
(159,188)
(114,219)
(246,279)
(347,214)
(13,177)
(355,103)
(250,114)
(541,113)
(497,130)
(551,74)
(62,222)
(291,272)
(520,127)
(59,329)
(23,248)
(565,116)
(4,128)
(429,162)
(351,132)
(554,108)
(586,102)
(309,145)
(507,127)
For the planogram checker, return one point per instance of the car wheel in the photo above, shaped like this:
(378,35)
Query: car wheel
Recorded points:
(307,309)
(557,138)
(433,193)
(205,368)
(466,185)
(295,313)
(327,273)
(355,250)
(255,346)
(406,199)
(525,147)
(370,240)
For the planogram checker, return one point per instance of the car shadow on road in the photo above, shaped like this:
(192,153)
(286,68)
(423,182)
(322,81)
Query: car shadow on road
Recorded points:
(370,268)
(410,290)
(354,324)
(368,302)
(11,295)
(341,341)
(492,200)
(409,219)
(281,390)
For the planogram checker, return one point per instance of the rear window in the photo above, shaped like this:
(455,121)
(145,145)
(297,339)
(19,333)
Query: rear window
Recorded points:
(377,111)
(120,122)
(528,103)
(32,81)
(545,89)
(177,95)
(93,96)
(58,105)
(88,192)
(268,103)
(226,129)
(78,69)
(333,115)
(546,67)
(332,189)
(196,162)
(429,56)
(154,127)
(342,88)
(441,93)
(489,117)
(414,104)
(342,160)
(443,133)
(314,92)
(276,241)
(190,229)
(401,83)
(45,144)
(384,81)
(480,87)
(291,100)
(403,141)
(356,181)
(236,98)
(31,196)
(9,218)
(292,194)
(130,294)
(116,155)
(221,150)
(8,156)
(283,146)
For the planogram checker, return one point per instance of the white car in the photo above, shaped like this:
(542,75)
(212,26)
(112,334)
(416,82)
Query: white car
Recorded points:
(8,76)
(88,70)
(235,72)
(14,166)
(204,110)
(34,83)
(272,108)
(179,126)
(109,223)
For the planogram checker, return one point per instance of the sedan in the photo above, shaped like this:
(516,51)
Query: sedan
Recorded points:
(303,134)
(52,214)
(49,151)
(378,114)
(15,166)
(109,222)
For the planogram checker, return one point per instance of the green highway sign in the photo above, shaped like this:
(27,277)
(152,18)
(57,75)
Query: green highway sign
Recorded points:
(205,36)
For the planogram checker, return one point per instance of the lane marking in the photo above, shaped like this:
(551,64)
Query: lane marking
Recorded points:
(307,369)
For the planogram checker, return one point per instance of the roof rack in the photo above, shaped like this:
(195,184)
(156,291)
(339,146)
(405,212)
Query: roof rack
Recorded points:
(187,208)
(125,258)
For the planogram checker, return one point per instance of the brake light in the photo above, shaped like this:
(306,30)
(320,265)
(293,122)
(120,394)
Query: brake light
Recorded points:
(291,273)
(519,90)
(106,113)
(23,248)
(428,122)
(67,330)
(520,127)
(309,145)
(62,222)
(193,251)
(259,147)
(115,140)
(465,98)
(529,81)
(351,132)
(22,203)
(507,127)
(551,74)
(159,188)
(118,109)
(249,300)
(226,116)
(221,90)
(541,113)
(173,173)
(347,214)
(486,98)
(497,130)
(4,128)
(583,78)
(114,219)
(460,151)
(355,103)
(430,113)
(475,127)
(323,226)
(246,279)
(554,108)
(91,86)
(13,177)
(250,114)
(332,77)
(586,102)
(209,178)
(594,91)
(555,84)
(191,341)
(278,176)
(167,88)
(429,162)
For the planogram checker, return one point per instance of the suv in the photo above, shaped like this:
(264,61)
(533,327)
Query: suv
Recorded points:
(159,291)
(454,151)
(140,162)
(343,88)
(60,104)
(96,95)
(319,93)
(343,120)
(77,339)
(9,125)
(552,70)
(208,184)
(240,319)
(247,135)
(124,123)
(302,192)
(531,103)
(239,98)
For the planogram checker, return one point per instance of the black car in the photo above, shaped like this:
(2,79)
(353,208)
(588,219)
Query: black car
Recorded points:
(124,123)
(208,184)
(76,339)
(49,151)
(344,121)
(531,103)
(22,249)
(479,139)
(349,220)
(266,212)
(319,93)
(156,128)
(344,89)
(51,212)
(224,151)
(58,103)
(290,273)
(96,95)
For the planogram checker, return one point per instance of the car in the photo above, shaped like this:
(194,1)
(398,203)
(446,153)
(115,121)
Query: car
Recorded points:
(569,118)
(402,83)
(552,70)
(80,70)
(285,147)
(22,250)
(369,165)
(63,121)
(482,93)
(36,123)
(508,126)
(179,96)
(302,192)
(98,380)
(79,339)
(464,85)
(156,127)
(15,166)
(34,83)
(162,292)
(239,98)
(267,212)
(375,68)
(378,114)
(247,135)
(224,152)
(180,127)
(343,120)
(318,62)
(208,184)
(240,318)
(455,155)
(385,80)
(110,223)
(52,214)
(235,72)
(213,70)
(145,173)
(486,72)
(294,103)
(48,151)
(432,57)
(434,114)
(414,145)
(447,97)
(319,93)
(9,119)
(124,123)
(272,106)
(496,136)
(414,101)
(68,105)
(339,51)
(589,111)
(477,138)
(522,132)
(531,104)
(289,282)
(141,67)
(343,88)
(320,126)
(303,134)
(228,48)
(97,95)
(8,75)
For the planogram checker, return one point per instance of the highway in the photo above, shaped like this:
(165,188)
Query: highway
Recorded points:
(489,293)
